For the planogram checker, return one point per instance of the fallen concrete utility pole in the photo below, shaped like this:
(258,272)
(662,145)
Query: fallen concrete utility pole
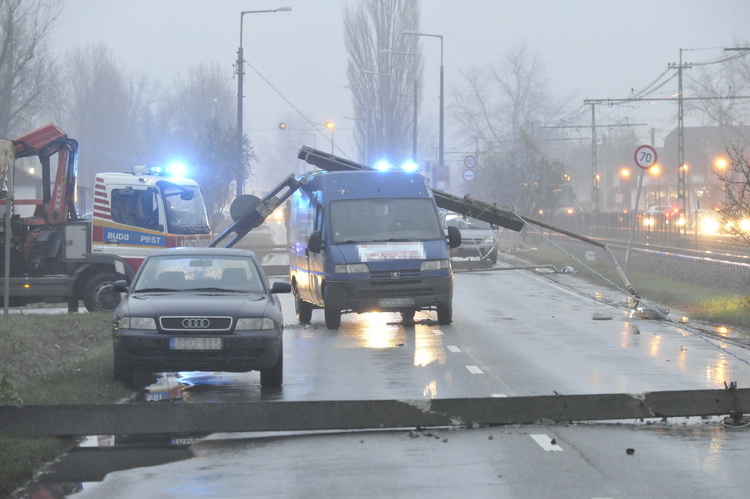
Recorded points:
(157,418)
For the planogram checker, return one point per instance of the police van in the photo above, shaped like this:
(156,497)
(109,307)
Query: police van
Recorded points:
(363,241)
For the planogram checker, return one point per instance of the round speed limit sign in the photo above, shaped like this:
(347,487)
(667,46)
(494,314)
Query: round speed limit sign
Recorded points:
(645,157)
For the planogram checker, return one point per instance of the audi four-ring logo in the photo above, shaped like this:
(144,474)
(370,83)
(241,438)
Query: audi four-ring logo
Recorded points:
(192,323)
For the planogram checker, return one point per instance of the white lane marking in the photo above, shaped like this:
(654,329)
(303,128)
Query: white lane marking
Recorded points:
(437,332)
(474,370)
(453,348)
(498,395)
(546,443)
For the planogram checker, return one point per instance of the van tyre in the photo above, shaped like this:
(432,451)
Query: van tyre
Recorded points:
(99,293)
(445,314)
(302,309)
(331,309)
(273,377)
(333,317)
(407,316)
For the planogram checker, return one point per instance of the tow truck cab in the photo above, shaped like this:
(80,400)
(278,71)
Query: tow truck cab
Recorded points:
(364,241)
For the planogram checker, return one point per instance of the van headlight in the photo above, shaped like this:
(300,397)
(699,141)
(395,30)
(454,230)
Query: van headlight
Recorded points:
(489,240)
(435,264)
(254,323)
(352,268)
(137,323)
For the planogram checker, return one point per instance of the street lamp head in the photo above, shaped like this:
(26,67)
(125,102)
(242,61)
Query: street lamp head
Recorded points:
(283,9)
(409,32)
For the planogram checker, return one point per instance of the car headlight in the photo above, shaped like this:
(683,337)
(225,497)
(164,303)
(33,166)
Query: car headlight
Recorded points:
(435,264)
(137,323)
(352,268)
(489,240)
(255,323)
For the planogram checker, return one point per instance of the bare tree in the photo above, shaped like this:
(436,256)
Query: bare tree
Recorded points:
(735,183)
(500,109)
(198,113)
(26,65)
(501,102)
(104,109)
(718,83)
(384,68)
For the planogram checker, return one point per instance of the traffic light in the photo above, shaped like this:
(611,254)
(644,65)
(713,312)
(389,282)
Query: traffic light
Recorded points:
(282,126)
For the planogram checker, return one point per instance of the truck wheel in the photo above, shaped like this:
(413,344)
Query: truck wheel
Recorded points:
(445,314)
(333,317)
(99,294)
(273,377)
(302,309)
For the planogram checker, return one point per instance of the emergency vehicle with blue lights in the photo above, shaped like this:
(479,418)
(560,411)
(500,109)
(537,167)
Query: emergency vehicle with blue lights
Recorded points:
(56,255)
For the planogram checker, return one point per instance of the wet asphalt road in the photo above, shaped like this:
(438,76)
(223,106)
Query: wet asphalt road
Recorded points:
(515,333)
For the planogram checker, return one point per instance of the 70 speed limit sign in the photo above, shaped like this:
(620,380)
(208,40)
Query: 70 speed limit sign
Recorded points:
(645,157)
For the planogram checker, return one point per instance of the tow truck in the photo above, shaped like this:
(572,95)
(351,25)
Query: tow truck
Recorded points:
(56,256)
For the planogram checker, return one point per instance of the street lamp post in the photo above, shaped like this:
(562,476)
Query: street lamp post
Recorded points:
(441,144)
(331,126)
(240,74)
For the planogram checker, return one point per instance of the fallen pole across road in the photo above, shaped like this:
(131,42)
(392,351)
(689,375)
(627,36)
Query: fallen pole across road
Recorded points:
(158,418)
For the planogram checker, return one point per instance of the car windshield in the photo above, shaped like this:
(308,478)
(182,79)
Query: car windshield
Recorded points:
(199,273)
(361,220)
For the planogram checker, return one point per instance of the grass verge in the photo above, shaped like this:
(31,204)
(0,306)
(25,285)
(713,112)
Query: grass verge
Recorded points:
(51,359)
(701,303)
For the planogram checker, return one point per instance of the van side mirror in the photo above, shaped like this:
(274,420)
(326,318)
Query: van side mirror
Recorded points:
(315,243)
(454,237)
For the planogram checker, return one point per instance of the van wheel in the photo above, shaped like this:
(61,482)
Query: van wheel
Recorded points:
(273,377)
(445,314)
(99,293)
(333,317)
(407,316)
(302,309)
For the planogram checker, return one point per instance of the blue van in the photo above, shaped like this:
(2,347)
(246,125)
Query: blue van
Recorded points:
(364,241)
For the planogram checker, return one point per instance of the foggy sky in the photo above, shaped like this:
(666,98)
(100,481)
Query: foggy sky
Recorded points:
(591,49)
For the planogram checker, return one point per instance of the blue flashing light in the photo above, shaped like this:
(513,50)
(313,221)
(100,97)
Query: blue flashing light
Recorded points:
(176,169)
(409,166)
(382,165)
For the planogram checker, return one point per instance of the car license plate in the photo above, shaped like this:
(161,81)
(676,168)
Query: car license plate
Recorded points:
(195,343)
(396,302)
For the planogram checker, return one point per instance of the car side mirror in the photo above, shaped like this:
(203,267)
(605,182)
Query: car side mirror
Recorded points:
(121,286)
(315,243)
(281,287)
(454,237)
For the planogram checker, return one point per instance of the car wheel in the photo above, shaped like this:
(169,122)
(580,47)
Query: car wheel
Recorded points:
(407,316)
(302,309)
(493,257)
(445,314)
(99,294)
(274,376)
(122,369)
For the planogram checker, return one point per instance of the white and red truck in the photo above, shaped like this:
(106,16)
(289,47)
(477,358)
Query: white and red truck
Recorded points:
(56,255)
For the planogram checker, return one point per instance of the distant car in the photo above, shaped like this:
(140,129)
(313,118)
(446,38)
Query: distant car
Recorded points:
(200,309)
(478,238)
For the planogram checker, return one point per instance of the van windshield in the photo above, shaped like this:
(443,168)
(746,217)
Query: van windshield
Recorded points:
(367,220)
